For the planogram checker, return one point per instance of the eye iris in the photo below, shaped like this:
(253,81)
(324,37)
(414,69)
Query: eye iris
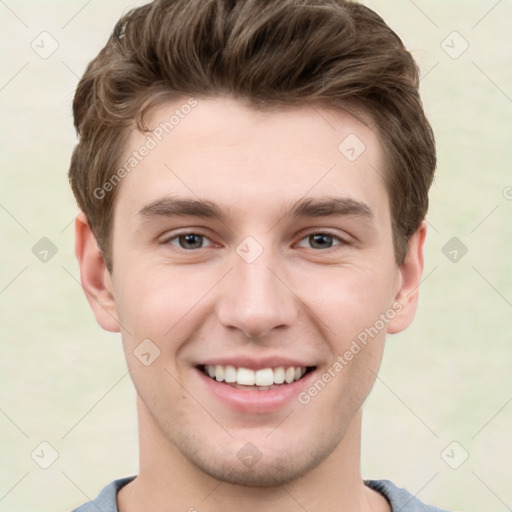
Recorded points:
(320,239)
(191,241)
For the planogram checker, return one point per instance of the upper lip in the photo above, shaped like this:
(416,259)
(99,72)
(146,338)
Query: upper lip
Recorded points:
(255,363)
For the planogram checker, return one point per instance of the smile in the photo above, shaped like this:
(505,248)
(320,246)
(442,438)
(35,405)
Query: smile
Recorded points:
(263,379)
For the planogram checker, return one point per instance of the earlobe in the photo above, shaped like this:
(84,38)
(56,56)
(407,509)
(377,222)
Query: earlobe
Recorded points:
(94,276)
(410,278)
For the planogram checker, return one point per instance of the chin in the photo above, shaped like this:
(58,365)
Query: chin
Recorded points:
(270,470)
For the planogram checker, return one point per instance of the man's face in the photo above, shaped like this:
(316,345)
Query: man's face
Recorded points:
(267,286)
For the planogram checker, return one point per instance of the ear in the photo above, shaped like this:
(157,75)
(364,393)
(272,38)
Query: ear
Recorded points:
(94,276)
(411,269)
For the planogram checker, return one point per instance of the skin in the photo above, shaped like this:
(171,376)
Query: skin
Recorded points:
(297,298)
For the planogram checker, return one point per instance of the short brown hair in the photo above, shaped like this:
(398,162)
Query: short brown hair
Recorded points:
(269,54)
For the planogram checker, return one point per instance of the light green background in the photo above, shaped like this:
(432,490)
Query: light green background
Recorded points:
(447,378)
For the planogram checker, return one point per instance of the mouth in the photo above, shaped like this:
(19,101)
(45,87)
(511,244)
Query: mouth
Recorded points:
(263,379)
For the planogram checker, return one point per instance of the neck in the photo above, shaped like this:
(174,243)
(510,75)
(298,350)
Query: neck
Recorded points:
(168,481)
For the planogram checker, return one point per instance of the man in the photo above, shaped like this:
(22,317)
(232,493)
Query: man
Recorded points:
(253,179)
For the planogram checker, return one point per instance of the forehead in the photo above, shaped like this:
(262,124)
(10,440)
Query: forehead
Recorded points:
(252,161)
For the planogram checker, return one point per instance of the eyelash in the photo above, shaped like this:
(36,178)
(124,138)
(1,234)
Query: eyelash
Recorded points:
(341,241)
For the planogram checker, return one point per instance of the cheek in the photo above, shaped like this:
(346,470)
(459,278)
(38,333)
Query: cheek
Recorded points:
(344,301)
(154,302)
(342,388)
(161,310)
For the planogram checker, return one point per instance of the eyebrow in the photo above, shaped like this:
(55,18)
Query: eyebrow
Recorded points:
(330,206)
(303,208)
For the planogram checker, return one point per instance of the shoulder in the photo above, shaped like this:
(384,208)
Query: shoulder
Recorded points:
(106,499)
(399,498)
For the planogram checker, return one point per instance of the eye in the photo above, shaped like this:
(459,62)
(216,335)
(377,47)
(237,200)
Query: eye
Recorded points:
(322,240)
(188,241)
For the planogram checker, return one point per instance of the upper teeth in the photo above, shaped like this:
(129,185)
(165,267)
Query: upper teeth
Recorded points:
(248,377)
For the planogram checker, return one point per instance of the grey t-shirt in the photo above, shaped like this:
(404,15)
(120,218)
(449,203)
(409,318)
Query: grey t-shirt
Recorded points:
(399,499)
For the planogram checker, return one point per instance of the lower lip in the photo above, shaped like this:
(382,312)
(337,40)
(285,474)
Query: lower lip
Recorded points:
(255,401)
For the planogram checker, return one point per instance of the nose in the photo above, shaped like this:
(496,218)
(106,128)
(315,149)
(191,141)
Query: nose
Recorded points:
(256,298)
